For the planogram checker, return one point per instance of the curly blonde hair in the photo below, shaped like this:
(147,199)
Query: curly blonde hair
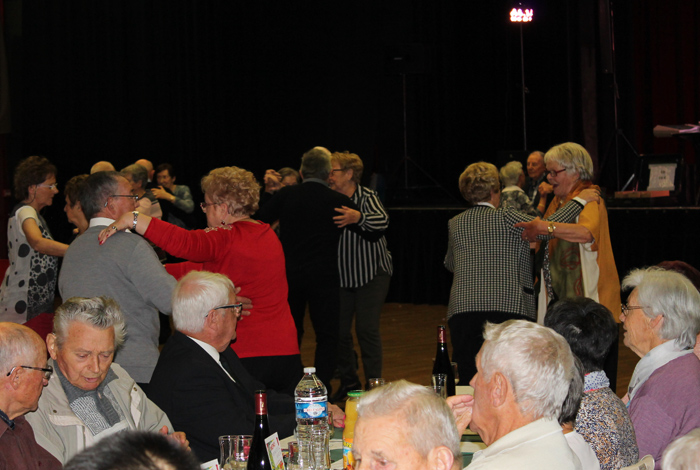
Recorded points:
(478,181)
(234,186)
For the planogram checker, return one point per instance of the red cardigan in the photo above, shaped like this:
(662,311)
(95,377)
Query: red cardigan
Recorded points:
(251,255)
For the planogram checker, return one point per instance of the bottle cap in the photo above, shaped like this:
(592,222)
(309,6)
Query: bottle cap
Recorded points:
(355,393)
(309,370)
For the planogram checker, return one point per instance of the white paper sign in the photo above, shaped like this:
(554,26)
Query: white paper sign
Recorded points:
(662,177)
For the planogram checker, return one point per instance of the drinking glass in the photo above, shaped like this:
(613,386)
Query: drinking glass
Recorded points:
(320,449)
(455,370)
(293,463)
(375,382)
(331,426)
(440,385)
(234,451)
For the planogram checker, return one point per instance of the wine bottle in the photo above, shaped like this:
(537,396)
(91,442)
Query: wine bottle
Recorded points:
(258,458)
(442,361)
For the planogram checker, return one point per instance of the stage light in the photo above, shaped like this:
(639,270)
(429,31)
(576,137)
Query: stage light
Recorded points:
(519,15)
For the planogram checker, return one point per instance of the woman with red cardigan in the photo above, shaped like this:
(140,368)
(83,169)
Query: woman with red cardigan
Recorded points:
(250,254)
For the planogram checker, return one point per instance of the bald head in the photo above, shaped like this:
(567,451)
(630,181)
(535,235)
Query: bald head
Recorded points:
(101,166)
(148,166)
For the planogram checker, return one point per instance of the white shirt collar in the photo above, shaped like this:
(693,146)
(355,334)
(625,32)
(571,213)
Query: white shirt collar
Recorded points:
(487,204)
(211,350)
(103,222)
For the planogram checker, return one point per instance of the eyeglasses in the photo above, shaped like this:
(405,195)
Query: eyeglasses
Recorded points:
(626,309)
(554,173)
(50,186)
(48,370)
(338,169)
(204,205)
(237,308)
(133,197)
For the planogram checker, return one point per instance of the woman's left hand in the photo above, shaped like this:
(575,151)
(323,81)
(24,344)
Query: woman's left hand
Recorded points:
(125,221)
(531,229)
(348,216)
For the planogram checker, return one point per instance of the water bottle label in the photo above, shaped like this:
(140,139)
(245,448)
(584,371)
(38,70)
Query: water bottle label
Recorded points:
(312,410)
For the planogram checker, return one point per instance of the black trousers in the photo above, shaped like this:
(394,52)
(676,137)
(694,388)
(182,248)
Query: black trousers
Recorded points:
(320,289)
(466,332)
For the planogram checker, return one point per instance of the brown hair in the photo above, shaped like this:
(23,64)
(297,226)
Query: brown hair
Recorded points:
(478,181)
(234,186)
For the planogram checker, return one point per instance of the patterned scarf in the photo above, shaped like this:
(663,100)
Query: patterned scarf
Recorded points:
(563,276)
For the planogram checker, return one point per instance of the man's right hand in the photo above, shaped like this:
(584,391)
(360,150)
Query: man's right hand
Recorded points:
(461,406)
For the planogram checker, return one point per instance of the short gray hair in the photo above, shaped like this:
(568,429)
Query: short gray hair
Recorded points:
(672,295)
(682,453)
(17,344)
(573,157)
(138,173)
(316,163)
(428,421)
(96,190)
(99,312)
(195,295)
(510,173)
(535,359)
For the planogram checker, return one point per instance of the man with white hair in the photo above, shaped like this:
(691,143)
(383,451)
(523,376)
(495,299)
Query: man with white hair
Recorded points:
(405,426)
(199,380)
(89,397)
(23,376)
(523,375)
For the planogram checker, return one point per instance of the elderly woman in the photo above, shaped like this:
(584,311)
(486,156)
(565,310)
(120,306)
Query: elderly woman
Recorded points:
(365,272)
(147,204)
(30,280)
(491,263)
(250,254)
(661,320)
(512,194)
(602,419)
(578,258)
(73,209)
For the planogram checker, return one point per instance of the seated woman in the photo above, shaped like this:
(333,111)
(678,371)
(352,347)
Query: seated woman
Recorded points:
(661,321)
(30,280)
(250,254)
(602,420)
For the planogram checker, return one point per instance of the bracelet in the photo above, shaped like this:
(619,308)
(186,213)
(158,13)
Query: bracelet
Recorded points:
(136,216)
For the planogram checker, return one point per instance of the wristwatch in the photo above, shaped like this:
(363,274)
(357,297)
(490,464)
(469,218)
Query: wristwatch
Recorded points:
(550,228)
(136,216)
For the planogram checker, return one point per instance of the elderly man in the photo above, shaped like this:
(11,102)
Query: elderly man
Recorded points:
(126,269)
(149,169)
(199,380)
(310,239)
(405,426)
(523,375)
(537,175)
(89,397)
(23,354)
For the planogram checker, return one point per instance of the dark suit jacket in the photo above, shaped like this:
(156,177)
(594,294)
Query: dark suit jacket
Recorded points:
(308,233)
(202,401)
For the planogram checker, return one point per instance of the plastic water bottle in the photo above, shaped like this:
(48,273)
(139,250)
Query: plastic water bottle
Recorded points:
(311,400)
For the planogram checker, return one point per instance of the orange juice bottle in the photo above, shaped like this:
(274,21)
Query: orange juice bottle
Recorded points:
(349,431)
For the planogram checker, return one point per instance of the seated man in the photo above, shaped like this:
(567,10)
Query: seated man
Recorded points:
(199,380)
(134,450)
(89,397)
(523,375)
(23,354)
(405,426)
